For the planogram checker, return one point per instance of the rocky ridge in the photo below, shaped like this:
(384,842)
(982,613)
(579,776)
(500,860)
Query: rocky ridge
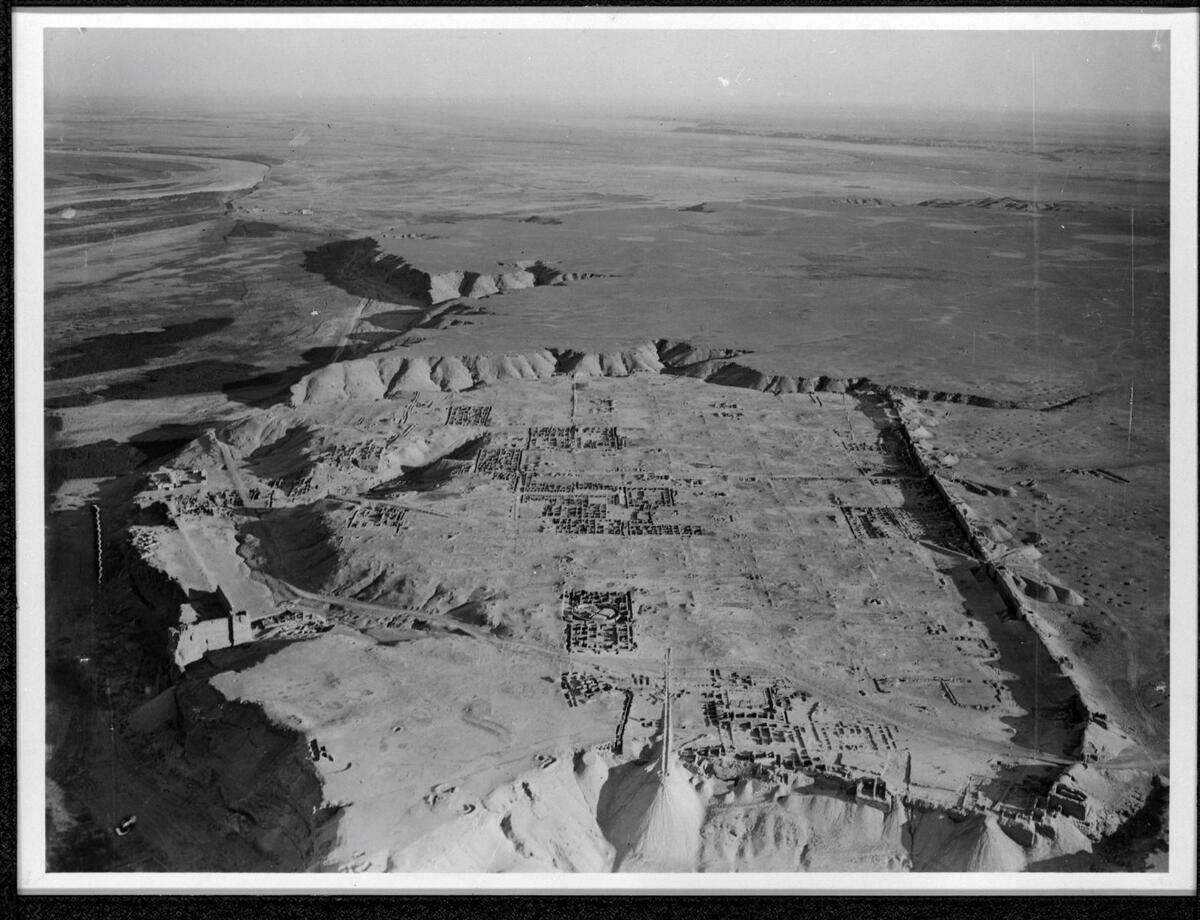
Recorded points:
(359,267)
(384,374)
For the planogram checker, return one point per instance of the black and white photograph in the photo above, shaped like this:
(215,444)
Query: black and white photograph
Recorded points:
(606,449)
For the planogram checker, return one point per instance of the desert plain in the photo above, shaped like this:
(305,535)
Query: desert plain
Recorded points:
(443,490)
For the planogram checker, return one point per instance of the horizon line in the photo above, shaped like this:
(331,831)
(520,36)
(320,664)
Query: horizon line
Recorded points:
(637,107)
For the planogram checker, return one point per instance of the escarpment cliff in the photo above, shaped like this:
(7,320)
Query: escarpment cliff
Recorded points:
(998,203)
(383,375)
(359,267)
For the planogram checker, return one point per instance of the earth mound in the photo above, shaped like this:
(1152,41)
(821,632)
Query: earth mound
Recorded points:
(976,844)
(651,818)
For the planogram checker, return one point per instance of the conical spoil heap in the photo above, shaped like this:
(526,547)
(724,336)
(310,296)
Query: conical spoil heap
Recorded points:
(652,815)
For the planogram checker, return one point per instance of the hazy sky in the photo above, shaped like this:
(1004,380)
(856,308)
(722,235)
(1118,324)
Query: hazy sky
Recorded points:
(980,69)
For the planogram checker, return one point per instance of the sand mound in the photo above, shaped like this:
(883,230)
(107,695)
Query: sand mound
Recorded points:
(1042,588)
(591,772)
(653,821)
(541,823)
(976,844)
(1066,839)
(997,533)
(803,833)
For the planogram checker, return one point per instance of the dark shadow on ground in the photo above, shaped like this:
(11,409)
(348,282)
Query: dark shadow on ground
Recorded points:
(1021,785)
(89,461)
(85,847)
(358,268)
(248,384)
(159,443)
(253,229)
(115,351)
(236,658)
(397,320)
(1052,719)
(1142,835)
(297,543)
(272,387)
(286,456)
(150,448)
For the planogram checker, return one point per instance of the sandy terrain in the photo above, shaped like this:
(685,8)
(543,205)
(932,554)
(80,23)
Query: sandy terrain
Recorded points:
(85,180)
(473,427)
